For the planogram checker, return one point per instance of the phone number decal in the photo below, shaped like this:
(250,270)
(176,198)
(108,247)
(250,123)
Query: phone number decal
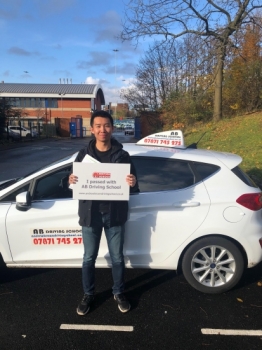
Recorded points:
(163,142)
(61,241)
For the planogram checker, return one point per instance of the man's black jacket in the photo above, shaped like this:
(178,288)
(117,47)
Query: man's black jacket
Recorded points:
(118,209)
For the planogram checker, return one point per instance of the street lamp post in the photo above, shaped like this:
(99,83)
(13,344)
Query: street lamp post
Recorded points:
(115,51)
(61,95)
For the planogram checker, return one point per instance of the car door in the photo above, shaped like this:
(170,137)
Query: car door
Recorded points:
(170,207)
(48,233)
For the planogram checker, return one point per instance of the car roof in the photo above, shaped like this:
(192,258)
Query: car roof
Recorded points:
(170,144)
(198,155)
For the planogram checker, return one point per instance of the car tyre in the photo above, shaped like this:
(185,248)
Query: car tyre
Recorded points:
(28,136)
(213,265)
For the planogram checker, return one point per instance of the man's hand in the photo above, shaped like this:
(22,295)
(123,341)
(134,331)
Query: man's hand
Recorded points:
(72,179)
(131,180)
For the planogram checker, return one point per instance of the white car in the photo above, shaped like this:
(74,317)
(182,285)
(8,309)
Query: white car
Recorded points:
(196,210)
(24,132)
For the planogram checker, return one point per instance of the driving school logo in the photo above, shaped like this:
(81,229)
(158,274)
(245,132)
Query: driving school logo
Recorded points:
(101,175)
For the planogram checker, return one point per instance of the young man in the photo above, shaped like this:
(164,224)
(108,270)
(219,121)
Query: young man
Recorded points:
(110,215)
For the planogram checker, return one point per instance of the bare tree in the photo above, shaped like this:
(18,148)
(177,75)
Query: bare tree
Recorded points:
(217,19)
(153,82)
(133,95)
(169,67)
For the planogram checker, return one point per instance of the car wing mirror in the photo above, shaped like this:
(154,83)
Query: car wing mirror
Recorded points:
(23,201)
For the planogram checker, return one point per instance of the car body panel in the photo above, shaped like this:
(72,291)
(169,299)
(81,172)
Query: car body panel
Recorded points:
(4,244)
(157,221)
(24,229)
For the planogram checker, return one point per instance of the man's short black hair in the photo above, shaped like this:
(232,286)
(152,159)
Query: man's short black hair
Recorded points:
(102,114)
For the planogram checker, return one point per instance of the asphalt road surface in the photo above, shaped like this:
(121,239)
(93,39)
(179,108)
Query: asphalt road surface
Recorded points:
(38,306)
(166,312)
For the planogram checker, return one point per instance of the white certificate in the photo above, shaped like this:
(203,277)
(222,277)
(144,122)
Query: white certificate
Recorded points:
(101,181)
(89,159)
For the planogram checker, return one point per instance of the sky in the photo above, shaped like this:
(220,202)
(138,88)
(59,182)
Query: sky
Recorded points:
(48,41)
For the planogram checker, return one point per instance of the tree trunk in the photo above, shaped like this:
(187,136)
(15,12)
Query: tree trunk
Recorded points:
(217,114)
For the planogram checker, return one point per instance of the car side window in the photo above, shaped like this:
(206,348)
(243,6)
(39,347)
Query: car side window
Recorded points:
(205,170)
(160,174)
(53,186)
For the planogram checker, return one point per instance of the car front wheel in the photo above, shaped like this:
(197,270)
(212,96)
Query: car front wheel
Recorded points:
(213,265)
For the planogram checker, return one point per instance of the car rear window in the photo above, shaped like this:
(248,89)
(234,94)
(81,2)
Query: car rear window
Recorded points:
(243,176)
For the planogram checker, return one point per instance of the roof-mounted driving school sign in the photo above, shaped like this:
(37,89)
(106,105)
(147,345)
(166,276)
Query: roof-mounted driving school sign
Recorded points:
(171,138)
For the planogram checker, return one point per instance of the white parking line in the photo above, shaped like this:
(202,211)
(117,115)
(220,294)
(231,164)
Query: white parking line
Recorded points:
(94,327)
(243,332)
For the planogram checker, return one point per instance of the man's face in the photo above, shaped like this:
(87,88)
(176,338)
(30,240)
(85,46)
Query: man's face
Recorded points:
(102,129)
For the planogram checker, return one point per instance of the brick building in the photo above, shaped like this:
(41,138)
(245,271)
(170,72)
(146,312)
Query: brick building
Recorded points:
(53,103)
(118,110)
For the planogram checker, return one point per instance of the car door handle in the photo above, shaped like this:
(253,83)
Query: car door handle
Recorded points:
(186,204)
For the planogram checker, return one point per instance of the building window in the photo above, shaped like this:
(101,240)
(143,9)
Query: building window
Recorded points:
(22,102)
(31,102)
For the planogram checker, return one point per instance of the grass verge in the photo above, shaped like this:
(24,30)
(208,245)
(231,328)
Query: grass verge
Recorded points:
(240,135)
